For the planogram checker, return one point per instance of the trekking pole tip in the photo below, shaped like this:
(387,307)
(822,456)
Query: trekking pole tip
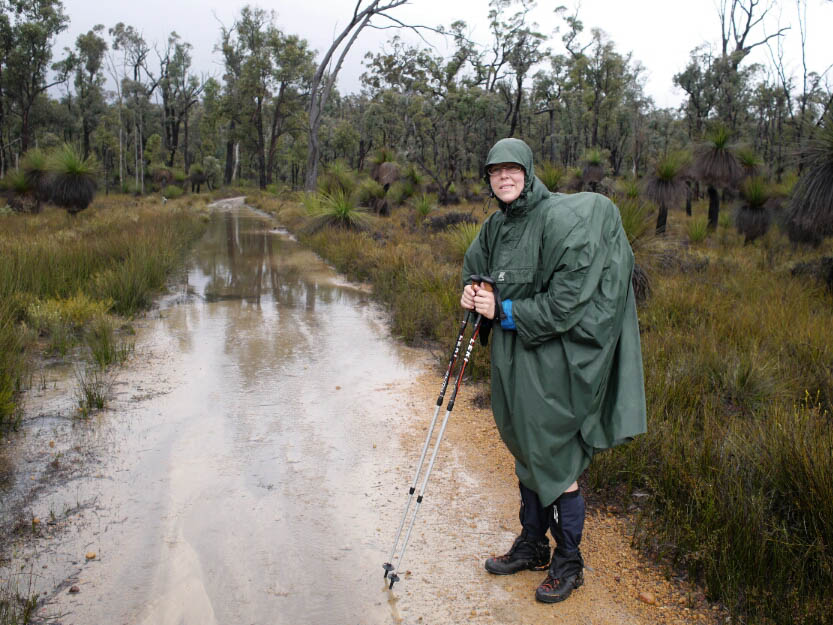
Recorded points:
(393,579)
(388,568)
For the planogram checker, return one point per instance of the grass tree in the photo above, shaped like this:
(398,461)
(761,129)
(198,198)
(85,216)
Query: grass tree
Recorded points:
(810,213)
(753,215)
(73,180)
(594,169)
(666,186)
(750,162)
(718,167)
(550,174)
(36,172)
(334,210)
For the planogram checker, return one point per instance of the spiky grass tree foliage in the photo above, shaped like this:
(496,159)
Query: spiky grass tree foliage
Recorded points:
(550,174)
(810,214)
(750,162)
(18,191)
(35,166)
(629,188)
(753,215)
(335,210)
(73,179)
(338,177)
(717,166)
(594,168)
(413,177)
(383,155)
(423,204)
(666,186)
(460,237)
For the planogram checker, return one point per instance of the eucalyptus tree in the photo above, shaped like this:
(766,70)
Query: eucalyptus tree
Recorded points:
(6,46)
(230,104)
(135,88)
(437,117)
(696,81)
(546,98)
(598,96)
(325,75)
(526,52)
(85,62)
(28,30)
(274,76)
(180,90)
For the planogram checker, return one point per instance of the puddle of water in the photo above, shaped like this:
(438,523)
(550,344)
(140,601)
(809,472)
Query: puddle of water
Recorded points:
(238,475)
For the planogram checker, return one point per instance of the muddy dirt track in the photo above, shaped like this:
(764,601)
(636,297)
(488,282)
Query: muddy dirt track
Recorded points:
(253,464)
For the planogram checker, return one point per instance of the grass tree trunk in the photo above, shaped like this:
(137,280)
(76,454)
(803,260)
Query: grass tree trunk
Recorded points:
(688,195)
(662,218)
(714,207)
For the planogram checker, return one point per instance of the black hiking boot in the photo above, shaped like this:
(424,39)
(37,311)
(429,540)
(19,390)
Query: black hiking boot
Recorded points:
(525,554)
(553,590)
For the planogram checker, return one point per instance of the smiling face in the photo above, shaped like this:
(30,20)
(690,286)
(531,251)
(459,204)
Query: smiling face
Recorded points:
(507,180)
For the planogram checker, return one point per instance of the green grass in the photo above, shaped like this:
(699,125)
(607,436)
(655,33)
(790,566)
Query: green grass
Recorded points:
(92,389)
(738,364)
(62,279)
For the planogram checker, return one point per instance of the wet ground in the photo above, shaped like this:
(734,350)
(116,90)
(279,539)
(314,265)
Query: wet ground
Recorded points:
(253,463)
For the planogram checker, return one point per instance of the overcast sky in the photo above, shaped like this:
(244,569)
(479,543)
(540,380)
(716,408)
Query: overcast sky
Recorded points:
(659,33)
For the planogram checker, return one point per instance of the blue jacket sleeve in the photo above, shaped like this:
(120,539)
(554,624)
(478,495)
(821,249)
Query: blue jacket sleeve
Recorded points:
(508,323)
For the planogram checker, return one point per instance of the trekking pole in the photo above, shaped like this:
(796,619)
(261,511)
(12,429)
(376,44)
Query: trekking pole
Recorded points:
(388,566)
(390,570)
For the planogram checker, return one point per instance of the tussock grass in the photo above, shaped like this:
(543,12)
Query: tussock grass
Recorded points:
(62,279)
(460,237)
(93,389)
(735,474)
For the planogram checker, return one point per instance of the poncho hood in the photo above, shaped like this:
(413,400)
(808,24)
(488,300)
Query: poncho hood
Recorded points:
(517,151)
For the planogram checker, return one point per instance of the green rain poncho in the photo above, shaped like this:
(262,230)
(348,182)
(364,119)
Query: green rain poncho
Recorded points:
(568,381)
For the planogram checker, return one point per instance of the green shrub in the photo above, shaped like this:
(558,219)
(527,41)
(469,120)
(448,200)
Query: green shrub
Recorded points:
(337,179)
(551,175)
(460,237)
(336,210)
(636,219)
(105,347)
(172,192)
(401,191)
(369,191)
(12,364)
(423,204)
(697,229)
(93,389)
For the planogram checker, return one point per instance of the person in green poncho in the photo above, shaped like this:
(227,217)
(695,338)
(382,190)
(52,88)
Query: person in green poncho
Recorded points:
(566,372)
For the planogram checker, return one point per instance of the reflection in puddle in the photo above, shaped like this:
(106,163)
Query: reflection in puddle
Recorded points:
(235,477)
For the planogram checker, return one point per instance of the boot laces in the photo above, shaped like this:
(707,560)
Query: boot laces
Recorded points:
(550,584)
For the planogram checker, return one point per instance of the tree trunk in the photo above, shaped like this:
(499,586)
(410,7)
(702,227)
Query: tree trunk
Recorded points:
(319,94)
(229,171)
(714,207)
(662,218)
(261,145)
(688,194)
(24,131)
(185,156)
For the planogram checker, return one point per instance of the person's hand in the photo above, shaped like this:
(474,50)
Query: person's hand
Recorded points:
(484,302)
(467,299)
